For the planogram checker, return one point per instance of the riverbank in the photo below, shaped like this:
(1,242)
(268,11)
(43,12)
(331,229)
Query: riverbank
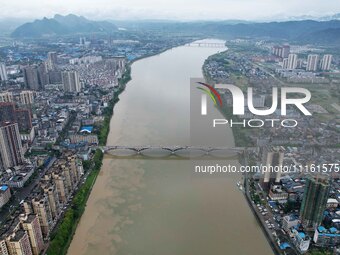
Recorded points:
(259,219)
(61,238)
(108,112)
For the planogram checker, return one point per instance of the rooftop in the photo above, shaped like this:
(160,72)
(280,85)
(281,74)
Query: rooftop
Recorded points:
(87,129)
(3,187)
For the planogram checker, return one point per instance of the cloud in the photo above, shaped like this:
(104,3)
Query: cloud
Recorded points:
(169,9)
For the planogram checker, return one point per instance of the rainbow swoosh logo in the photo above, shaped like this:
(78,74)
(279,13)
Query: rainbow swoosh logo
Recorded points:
(213,94)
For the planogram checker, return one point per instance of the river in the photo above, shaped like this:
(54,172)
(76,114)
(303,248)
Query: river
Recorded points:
(159,206)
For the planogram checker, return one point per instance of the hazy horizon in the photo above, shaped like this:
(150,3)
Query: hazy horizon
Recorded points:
(250,10)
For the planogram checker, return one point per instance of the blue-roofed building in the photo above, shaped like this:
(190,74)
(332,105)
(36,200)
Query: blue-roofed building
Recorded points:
(333,230)
(302,235)
(322,229)
(86,129)
(300,239)
(284,246)
(5,195)
(3,188)
(272,204)
(326,237)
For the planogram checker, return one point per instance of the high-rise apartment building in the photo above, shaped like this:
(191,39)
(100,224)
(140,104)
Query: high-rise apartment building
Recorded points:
(41,207)
(314,200)
(59,180)
(6,97)
(26,97)
(24,119)
(75,170)
(11,152)
(326,62)
(19,243)
(71,81)
(273,160)
(31,77)
(3,72)
(82,40)
(3,247)
(68,178)
(292,61)
(31,224)
(5,195)
(52,60)
(50,190)
(312,62)
(285,51)
(281,51)
(8,113)
(43,77)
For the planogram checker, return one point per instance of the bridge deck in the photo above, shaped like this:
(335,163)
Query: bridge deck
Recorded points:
(166,151)
(206,45)
(171,148)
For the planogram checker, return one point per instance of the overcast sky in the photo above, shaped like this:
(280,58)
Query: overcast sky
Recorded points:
(169,9)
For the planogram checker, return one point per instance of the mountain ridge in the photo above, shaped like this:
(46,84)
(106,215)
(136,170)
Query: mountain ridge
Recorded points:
(304,31)
(61,25)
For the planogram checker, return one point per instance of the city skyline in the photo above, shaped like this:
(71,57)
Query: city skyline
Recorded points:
(193,10)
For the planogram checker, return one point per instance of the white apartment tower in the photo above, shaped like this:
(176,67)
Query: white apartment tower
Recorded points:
(71,81)
(3,72)
(312,62)
(326,62)
(292,61)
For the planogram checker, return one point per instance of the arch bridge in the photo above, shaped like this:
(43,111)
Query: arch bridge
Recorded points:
(179,151)
(206,45)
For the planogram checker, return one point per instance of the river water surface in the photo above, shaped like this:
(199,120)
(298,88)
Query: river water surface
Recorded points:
(159,206)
